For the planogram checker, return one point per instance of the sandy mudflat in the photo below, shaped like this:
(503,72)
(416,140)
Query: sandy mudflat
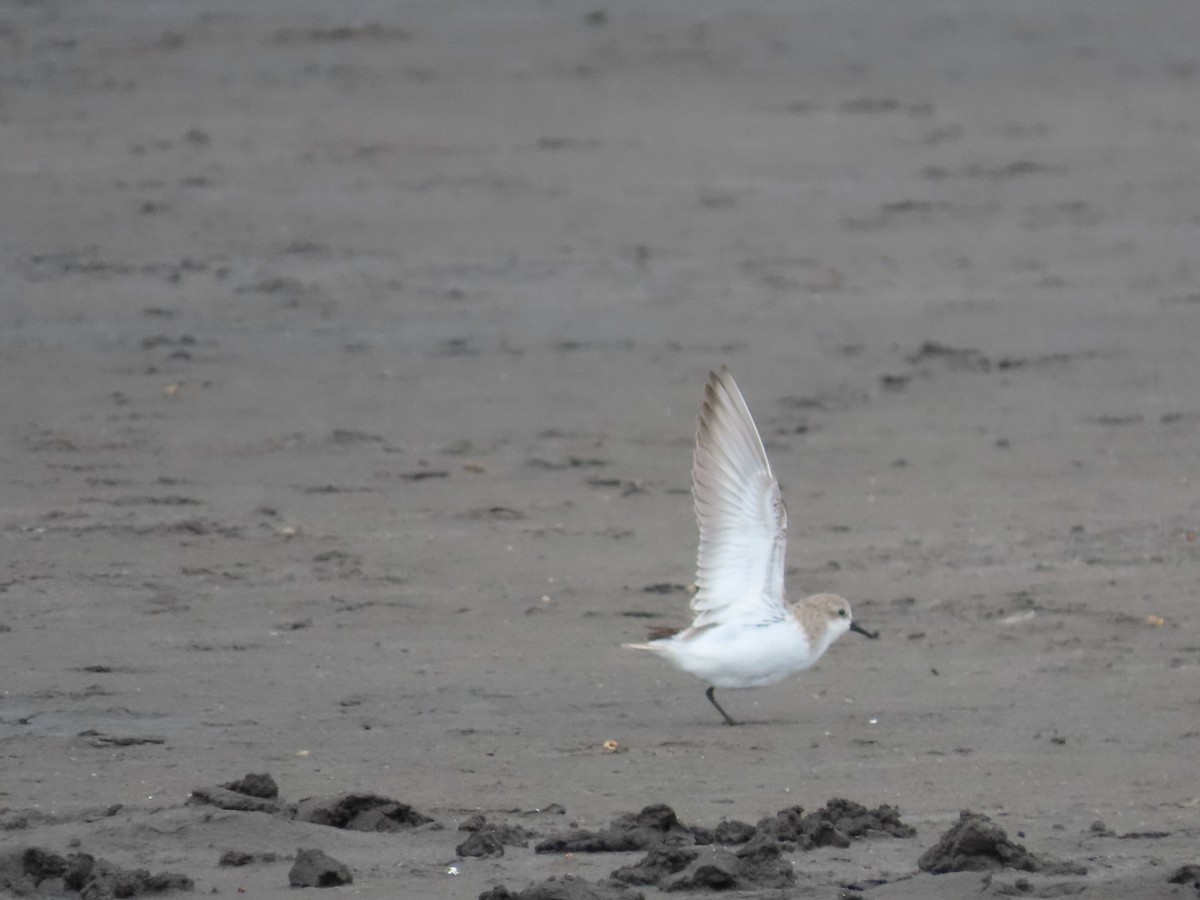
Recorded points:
(349,361)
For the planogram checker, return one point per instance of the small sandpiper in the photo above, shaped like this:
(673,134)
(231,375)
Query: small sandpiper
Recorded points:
(745,633)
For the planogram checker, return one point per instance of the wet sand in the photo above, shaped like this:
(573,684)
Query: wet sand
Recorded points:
(351,361)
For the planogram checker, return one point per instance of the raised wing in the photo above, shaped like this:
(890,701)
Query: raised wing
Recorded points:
(743,522)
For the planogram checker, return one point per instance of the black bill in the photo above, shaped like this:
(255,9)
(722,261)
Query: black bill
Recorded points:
(854,626)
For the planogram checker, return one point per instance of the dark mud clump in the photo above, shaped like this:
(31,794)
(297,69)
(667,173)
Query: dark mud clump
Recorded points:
(731,831)
(252,785)
(651,827)
(250,793)
(488,839)
(351,811)
(714,869)
(856,821)
(226,799)
(108,880)
(483,843)
(682,858)
(360,812)
(1189,874)
(757,865)
(235,858)
(567,887)
(315,868)
(36,870)
(657,865)
(834,825)
(974,843)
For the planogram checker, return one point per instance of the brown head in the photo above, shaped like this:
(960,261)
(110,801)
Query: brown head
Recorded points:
(828,615)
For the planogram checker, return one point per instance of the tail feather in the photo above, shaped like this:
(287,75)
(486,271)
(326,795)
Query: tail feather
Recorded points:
(654,634)
(650,647)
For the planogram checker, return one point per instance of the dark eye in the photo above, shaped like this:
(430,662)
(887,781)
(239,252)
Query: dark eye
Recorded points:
(842,613)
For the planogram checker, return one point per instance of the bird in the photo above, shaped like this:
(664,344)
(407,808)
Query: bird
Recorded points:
(745,632)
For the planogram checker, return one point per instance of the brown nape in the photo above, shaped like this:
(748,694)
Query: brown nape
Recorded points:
(658,632)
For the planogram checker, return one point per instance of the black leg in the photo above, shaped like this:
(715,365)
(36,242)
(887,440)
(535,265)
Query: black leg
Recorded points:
(713,700)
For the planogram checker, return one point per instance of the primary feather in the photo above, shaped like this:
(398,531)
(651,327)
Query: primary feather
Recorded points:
(742,519)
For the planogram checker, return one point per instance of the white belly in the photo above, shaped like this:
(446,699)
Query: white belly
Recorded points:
(744,656)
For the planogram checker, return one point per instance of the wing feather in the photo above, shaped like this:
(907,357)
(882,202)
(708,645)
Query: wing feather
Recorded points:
(742,519)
